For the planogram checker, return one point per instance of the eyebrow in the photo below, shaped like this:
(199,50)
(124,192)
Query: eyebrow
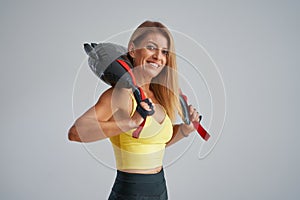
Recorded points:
(150,41)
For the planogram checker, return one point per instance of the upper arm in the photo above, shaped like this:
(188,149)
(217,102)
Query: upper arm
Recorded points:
(113,103)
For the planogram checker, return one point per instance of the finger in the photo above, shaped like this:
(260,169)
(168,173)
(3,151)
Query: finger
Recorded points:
(191,109)
(198,117)
(145,106)
(195,116)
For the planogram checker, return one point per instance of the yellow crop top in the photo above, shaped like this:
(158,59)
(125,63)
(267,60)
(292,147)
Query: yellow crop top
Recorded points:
(147,151)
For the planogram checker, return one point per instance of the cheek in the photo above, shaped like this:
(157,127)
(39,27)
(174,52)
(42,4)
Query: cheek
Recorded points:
(165,60)
(147,54)
(142,54)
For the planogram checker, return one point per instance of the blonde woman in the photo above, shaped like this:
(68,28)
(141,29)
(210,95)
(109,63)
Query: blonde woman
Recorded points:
(139,161)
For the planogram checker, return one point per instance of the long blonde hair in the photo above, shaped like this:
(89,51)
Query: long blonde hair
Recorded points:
(164,86)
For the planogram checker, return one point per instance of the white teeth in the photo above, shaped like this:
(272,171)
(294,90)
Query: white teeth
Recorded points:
(154,65)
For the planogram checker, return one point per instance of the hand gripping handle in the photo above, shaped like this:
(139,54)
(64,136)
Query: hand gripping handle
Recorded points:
(202,132)
(140,97)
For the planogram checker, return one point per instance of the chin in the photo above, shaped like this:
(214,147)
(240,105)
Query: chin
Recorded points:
(154,74)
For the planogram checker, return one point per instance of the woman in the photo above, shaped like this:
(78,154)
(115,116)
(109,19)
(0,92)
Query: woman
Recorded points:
(139,161)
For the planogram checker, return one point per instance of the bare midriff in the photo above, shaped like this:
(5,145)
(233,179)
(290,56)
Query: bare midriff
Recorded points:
(142,171)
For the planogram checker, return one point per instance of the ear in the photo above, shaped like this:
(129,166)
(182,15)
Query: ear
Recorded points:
(131,49)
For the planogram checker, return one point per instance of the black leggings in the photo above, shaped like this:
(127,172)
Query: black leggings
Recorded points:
(130,186)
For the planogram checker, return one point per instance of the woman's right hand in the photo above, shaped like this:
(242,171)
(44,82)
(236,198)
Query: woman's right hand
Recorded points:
(137,118)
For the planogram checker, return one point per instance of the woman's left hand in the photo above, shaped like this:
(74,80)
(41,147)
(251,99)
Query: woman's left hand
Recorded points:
(194,116)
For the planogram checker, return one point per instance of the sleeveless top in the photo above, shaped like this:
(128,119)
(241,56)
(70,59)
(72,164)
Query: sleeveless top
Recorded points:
(147,151)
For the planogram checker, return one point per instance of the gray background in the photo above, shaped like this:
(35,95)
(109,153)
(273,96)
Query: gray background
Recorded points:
(255,45)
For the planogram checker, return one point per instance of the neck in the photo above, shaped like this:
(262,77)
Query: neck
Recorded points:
(143,81)
(145,86)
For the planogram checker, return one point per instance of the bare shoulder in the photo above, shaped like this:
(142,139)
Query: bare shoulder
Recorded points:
(115,99)
(114,96)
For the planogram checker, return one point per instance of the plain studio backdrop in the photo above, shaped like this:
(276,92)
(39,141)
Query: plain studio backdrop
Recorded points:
(45,84)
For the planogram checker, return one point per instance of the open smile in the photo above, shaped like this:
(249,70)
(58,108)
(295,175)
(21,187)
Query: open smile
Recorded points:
(155,65)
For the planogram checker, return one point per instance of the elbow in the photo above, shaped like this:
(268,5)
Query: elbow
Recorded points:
(73,134)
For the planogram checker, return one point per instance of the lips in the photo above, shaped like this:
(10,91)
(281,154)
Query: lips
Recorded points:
(155,65)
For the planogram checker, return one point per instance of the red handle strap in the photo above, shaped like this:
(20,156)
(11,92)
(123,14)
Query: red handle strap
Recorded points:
(202,132)
(137,131)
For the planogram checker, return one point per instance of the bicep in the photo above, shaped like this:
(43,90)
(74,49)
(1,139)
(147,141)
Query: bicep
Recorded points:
(111,106)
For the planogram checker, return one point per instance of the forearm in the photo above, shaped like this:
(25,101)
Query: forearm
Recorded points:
(178,131)
(89,130)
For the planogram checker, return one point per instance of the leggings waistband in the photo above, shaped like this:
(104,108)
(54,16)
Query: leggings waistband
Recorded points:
(139,184)
(140,178)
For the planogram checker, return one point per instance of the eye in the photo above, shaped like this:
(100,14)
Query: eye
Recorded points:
(165,52)
(151,47)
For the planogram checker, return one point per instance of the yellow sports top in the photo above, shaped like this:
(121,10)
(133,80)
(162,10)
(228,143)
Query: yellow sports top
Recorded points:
(147,151)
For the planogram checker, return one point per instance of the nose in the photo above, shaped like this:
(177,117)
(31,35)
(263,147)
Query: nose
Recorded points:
(158,55)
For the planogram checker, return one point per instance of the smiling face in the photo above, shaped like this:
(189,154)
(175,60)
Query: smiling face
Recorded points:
(150,54)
